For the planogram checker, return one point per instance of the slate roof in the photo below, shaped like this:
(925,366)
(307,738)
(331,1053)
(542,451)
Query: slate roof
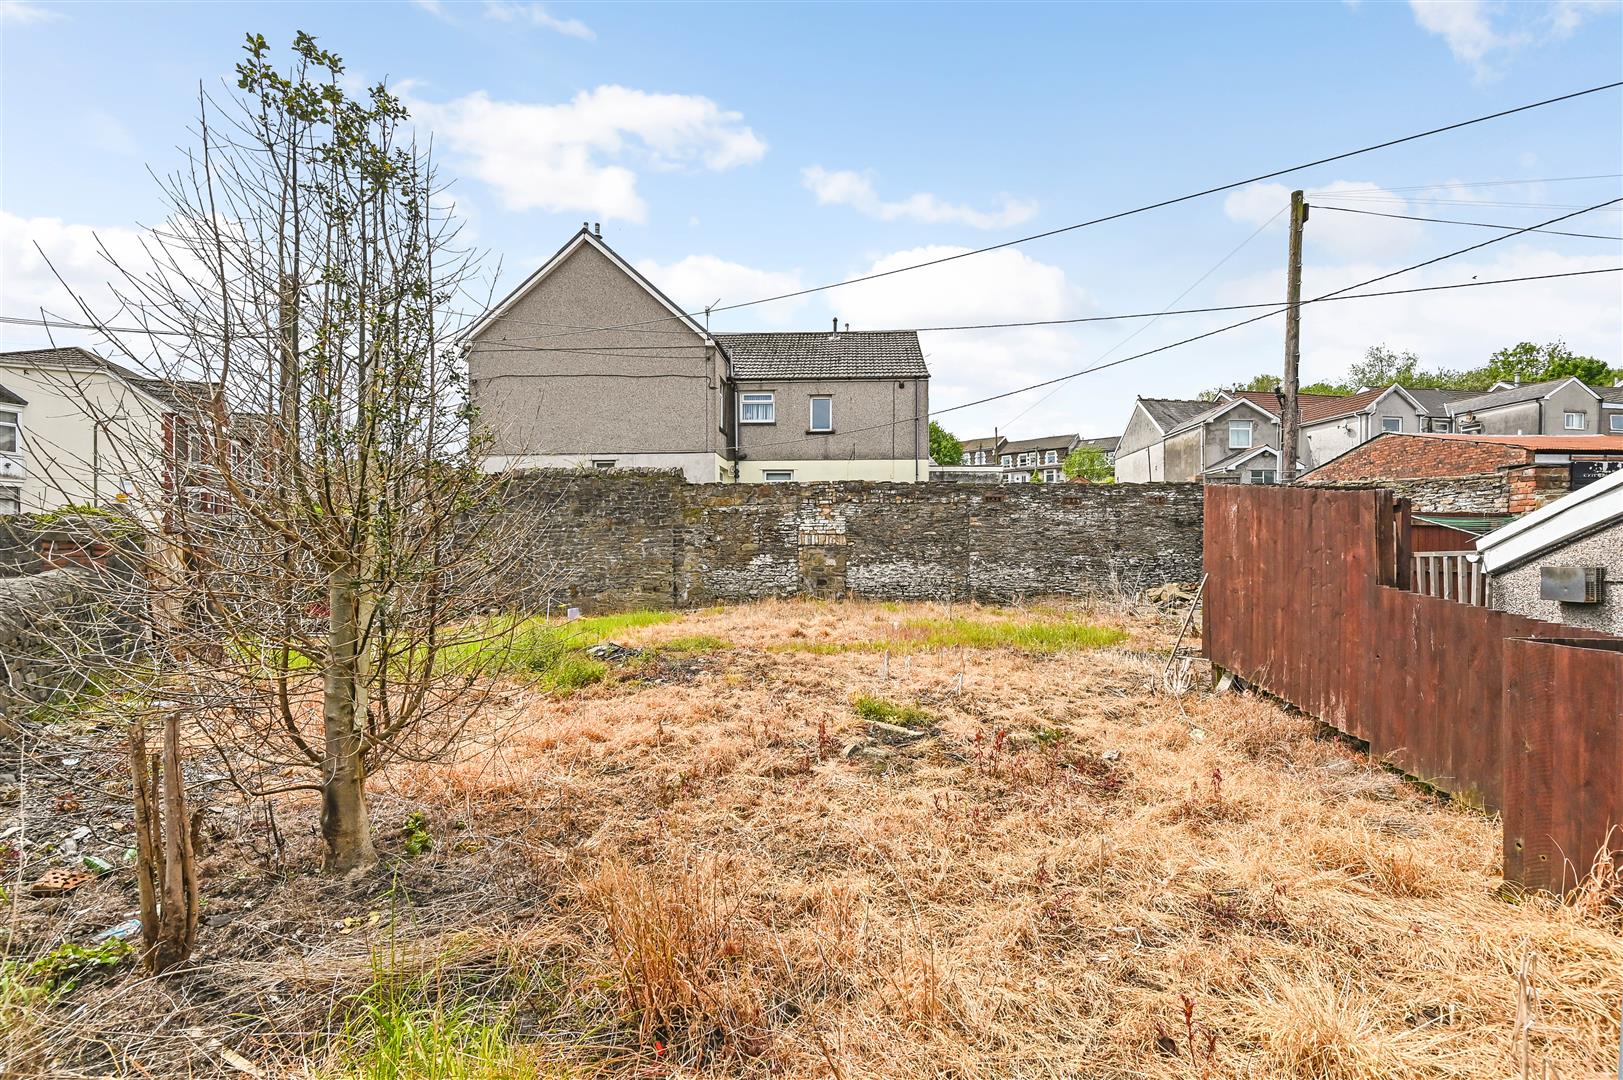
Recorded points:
(1046,442)
(1227,463)
(1609,393)
(1435,402)
(850,354)
(1170,412)
(985,442)
(1508,396)
(9,397)
(175,393)
(1107,443)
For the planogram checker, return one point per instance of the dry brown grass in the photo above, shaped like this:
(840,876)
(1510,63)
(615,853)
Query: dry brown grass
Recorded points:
(1073,877)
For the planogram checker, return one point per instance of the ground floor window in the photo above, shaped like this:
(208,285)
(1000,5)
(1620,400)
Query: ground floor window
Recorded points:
(11,500)
(1616,421)
(1051,475)
(1261,476)
(602,463)
(779,476)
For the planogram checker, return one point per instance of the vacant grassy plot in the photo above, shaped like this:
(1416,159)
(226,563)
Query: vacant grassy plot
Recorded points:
(706,867)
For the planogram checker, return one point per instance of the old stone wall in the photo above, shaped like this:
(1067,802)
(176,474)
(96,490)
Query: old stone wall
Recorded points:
(625,540)
(1440,495)
(55,628)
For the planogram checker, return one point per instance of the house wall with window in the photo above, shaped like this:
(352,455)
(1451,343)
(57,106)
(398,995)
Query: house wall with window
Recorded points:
(86,435)
(1570,409)
(552,397)
(1333,437)
(835,429)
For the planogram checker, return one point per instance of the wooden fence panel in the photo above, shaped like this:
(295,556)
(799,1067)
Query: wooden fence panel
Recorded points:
(1302,600)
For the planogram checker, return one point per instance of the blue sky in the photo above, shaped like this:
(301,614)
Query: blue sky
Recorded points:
(737,151)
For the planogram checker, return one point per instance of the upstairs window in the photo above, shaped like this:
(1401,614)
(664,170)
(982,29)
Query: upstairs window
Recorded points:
(1575,421)
(10,432)
(1615,421)
(822,414)
(1239,434)
(11,501)
(1391,423)
(757,409)
(1051,458)
(1007,461)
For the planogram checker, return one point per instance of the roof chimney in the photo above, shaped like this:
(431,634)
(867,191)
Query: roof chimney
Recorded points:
(847,328)
(597,229)
(835,330)
(585,225)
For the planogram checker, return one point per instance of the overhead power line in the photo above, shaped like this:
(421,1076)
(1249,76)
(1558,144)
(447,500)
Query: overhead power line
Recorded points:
(1453,221)
(1119,215)
(655,351)
(1336,294)
(1466,184)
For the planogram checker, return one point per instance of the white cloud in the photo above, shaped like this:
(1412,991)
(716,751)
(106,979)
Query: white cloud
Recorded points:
(700,280)
(434,8)
(844,187)
(20,12)
(1480,32)
(999,286)
(537,15)
(28,285)
(1339,235)
(579,155)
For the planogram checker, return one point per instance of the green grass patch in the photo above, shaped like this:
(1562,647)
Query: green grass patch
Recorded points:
(552,652)
(694,643)
(925,634)
(889,712)
(414,1029)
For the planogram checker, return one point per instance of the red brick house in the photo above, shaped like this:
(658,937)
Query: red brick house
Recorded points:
(1474,474)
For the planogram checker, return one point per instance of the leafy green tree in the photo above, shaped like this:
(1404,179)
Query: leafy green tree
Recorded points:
(1527,362)
(945,449)
(1335,389)
(1035,478)
(1090,462)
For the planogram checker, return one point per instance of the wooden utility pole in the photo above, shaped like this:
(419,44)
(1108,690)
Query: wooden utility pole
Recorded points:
(1291,413)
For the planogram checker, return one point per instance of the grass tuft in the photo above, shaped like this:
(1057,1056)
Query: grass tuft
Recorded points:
(888,712)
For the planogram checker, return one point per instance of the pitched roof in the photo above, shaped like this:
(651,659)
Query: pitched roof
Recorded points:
(1107,443)
(1510,395)
(1046,442)
(1168,413)
(1555,524)
(1612,395)
(175,393)
(1329,407)
(985,442)
(10,397)
(850,354)
(584,236)
(1240,457)
(1554,443)
(1434,402)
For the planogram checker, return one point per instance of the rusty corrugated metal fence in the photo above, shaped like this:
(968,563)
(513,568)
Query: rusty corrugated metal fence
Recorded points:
(1307,598)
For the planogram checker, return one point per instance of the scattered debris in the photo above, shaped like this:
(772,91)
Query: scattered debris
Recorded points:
(894,734)
(1110,755)
(124,931)
(60,879)
(612,652)
(1173,592)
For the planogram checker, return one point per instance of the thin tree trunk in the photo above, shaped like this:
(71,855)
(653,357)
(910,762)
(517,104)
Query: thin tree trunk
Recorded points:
(344,822)
(177,925)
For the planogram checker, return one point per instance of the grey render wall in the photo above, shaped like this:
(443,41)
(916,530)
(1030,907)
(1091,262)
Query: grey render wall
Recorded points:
(1517,589)
(874,419)
(630,540)
(647,389)
(1543,417)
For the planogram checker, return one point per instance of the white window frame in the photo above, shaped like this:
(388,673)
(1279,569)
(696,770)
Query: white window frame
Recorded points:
(778,476)
(1262,476)
(1026,460)
(1051,457)
(1391,423)
(1051,475)
(758,398)
(811,415)
(1236,426)
(1006,461)
(1568,418)
(603,463)
(14,427)
(1614,422)
(11,500)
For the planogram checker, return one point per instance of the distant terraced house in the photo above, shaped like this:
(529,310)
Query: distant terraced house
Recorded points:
(588,365)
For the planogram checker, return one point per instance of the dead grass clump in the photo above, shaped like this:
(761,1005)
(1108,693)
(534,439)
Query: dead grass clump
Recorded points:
(1311,1028)
(1385,863)
(685,957)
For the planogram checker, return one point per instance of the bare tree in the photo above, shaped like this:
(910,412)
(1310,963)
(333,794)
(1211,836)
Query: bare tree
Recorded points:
(322,585)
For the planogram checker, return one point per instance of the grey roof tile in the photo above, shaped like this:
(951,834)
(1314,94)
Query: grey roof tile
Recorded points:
(850,354)
(1508,396)
(1170,412)
(10,397)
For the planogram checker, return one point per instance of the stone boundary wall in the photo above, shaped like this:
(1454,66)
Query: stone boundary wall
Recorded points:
(55,627)
(623,540)
(1439,495)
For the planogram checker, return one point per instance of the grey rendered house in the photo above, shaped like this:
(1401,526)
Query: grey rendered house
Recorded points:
(586,364)
(1553,407)
(1234,439)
